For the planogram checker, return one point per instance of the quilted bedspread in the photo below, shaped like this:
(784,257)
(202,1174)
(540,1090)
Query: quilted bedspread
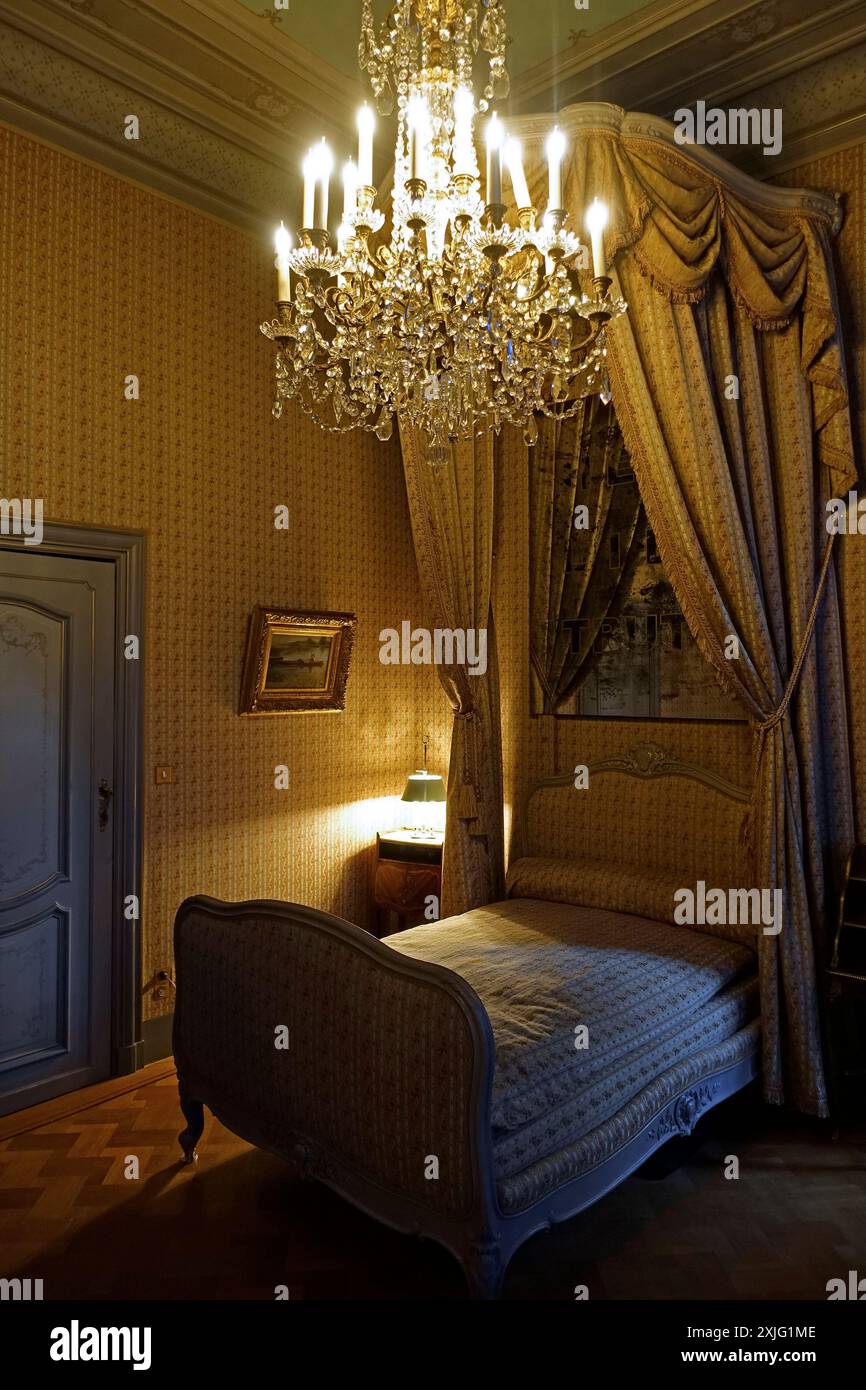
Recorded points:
(588,1007)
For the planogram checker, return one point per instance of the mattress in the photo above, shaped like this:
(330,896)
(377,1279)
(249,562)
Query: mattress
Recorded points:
(649,995)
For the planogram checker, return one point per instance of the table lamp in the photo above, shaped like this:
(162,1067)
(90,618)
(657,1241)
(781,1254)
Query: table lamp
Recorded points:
(424,787)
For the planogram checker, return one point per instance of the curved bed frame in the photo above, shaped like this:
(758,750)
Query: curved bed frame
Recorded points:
(388,1064)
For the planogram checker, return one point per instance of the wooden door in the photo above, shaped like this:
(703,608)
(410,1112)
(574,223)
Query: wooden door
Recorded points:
(57,712)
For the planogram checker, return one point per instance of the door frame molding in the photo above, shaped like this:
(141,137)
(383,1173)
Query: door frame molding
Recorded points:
(126,549)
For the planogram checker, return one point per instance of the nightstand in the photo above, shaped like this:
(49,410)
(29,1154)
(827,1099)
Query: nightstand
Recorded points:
(407,871)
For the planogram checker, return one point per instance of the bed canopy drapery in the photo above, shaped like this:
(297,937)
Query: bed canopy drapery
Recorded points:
(451,510)
(728,380)
(576,463)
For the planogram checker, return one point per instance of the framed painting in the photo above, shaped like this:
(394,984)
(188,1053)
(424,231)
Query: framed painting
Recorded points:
(296,662)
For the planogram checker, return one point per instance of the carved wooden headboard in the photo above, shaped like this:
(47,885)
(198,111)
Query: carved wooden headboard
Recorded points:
(641,809)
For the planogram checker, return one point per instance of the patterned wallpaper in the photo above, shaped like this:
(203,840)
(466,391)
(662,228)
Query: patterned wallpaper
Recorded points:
(102,278)
(845,173)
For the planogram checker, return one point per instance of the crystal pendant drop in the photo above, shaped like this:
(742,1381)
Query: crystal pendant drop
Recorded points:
(435,455)
(384,425)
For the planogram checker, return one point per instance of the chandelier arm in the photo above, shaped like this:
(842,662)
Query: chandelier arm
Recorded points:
(543,289)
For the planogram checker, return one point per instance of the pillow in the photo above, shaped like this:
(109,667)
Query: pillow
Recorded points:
(642,893)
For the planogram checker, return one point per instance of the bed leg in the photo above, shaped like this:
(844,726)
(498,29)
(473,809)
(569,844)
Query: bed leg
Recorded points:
(193,1113)
(485,1269)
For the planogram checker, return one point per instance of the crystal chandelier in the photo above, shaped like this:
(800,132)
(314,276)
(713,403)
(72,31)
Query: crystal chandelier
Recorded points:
(464,313)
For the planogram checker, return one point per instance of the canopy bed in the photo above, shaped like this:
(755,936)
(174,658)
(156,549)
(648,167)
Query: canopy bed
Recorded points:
(476,1079)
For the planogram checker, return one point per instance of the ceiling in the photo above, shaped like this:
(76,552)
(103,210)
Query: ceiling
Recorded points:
(539,29)
(231,93)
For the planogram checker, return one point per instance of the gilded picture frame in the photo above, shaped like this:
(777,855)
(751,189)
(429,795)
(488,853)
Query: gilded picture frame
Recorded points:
(296,663)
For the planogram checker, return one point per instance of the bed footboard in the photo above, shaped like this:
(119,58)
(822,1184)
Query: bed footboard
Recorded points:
(370,1070)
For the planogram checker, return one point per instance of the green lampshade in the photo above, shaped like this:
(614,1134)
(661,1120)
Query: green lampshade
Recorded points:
(424,786)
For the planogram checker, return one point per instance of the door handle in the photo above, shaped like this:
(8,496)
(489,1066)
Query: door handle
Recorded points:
(105,794)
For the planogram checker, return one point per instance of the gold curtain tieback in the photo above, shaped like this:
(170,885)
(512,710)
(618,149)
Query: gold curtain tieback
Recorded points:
(546,687)
(763,727)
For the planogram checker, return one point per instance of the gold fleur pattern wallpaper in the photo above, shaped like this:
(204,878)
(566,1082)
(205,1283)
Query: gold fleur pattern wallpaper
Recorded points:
(105,278)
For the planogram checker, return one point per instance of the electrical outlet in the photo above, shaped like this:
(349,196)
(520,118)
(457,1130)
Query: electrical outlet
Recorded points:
(164,775)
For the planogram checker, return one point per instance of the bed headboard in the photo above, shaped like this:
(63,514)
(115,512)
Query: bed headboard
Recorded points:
(643,809)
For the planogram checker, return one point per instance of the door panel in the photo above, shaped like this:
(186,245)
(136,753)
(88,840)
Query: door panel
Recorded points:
(57,657)
(34,958)
(33,848)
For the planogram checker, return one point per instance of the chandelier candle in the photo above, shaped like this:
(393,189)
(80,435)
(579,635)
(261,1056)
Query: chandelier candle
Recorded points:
(495,135)
(596,221)
(350,190)
(283,245)
(514,161)
(555,151)
(323,164)
(309,189)
(366,123)
(460,316)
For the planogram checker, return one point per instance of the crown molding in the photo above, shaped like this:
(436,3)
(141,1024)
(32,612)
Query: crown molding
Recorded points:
(824,110)
(228,104)
(827,139)
(170,183)
(49,95)
(612,50)
(783,56)
(652,57)
(227,68)
(808,61)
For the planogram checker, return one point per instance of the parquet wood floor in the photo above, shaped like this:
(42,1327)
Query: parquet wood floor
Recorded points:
(237,1224)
